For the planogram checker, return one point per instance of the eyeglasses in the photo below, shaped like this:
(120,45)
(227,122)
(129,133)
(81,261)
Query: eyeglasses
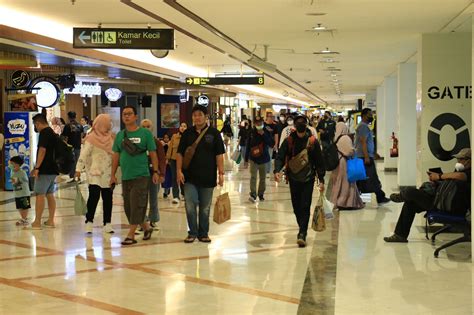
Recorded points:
(128,113)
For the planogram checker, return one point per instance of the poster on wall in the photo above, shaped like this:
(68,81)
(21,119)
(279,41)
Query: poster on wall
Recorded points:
(170,115)
(114,113)
(17,142)
(23,102)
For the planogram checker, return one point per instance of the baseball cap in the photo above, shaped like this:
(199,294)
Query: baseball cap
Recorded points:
(463,154)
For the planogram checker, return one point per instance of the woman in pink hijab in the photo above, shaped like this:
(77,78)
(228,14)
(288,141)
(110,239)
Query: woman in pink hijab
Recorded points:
(96,160)
(344,195)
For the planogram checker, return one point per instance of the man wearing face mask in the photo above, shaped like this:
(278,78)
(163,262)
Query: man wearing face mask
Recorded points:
(279,129)
(302,181)
(257,151)
(420,200)
(291,127)
(327,128)
(365,149)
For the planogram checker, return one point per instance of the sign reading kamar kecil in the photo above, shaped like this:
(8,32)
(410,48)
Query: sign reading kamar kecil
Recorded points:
(123,38)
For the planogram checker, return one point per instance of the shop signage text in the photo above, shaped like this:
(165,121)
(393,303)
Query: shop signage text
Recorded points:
(226,81)
(123,38)
(85,89)
(203,100)
(447,92)
(183,96)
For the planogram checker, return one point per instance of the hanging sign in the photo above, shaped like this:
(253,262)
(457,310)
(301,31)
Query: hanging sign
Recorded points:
(226,81)
(203,100)
(20,78)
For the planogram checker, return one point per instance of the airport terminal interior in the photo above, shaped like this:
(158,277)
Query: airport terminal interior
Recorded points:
(375,95)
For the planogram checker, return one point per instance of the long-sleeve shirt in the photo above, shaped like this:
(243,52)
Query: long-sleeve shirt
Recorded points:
(256,139)
(173,146)
(97,163)
(314,154)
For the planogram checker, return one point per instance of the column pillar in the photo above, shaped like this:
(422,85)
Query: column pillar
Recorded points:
(380,110)
(390,121)
(406,124)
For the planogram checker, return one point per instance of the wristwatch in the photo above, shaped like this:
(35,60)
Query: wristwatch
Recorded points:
(155,172)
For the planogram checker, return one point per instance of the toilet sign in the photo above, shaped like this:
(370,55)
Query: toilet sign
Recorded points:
(123,38)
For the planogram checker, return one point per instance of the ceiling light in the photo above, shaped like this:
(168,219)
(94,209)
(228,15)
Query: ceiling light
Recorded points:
(319,27)
(315,14)
(326,51)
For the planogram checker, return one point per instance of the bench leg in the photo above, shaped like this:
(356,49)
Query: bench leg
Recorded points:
(465,238)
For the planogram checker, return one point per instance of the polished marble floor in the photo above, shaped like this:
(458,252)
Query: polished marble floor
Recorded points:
(252,266)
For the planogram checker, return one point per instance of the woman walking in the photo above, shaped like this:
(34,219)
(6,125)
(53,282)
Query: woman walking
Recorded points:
(96,159)
(344,195)
(171,156)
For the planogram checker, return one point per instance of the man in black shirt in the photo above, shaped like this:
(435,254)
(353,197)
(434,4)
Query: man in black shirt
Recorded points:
(327,129)
(72,133)
(200,177)
(45,172)
(271,127)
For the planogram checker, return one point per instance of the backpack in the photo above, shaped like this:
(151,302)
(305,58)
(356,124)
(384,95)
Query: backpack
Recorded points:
(445,194)
(331,156)
(299,165)
(63,156)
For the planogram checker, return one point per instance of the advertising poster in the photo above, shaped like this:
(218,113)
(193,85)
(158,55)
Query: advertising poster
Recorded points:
(23,102)
(114,113)
(17,142)
(169,115)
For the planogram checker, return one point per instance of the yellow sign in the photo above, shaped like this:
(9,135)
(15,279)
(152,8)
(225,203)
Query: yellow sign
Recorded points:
(220,124)
(14,140)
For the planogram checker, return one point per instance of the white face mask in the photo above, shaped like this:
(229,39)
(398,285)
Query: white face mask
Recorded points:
(459,167)
(290,122)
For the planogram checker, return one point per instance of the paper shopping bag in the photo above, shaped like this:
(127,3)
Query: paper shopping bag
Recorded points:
(319,221)
(80,205)
(222,209)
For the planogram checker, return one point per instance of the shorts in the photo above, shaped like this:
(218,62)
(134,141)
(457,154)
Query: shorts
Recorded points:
(45,184)
(23,203)
(135,199)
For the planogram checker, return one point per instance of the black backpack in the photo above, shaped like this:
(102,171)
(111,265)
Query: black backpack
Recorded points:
(331,155)
(63,156)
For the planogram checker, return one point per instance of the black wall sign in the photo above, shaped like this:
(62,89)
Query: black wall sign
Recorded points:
(453,92)
(434,136)
(20,78)
(123,38)
(226,81)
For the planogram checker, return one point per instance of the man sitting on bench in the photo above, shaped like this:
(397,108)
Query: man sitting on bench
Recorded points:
(422,199)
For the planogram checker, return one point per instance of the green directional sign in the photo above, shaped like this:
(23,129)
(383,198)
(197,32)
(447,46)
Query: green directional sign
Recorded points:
(226,81)
(123,38)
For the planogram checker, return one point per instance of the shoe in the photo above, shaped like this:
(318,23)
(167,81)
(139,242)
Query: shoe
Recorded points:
(165,196)
(49,226)
(128,241)
(89,227)
(205,239)
(175,201)
(261,198)
(147,234)
(154,225)
(253,199)
(396,198)
(395,239)
(189,239)
(108,228)
(301,240)
(383,201)
(22,222)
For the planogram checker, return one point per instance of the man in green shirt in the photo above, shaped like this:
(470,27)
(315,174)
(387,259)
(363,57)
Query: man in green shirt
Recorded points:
(132,157)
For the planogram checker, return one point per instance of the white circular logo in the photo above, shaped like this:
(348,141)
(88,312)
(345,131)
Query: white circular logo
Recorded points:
(47,95)
(203,100)
(113,94)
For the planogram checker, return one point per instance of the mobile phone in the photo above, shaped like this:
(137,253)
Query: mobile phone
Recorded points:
(436,170)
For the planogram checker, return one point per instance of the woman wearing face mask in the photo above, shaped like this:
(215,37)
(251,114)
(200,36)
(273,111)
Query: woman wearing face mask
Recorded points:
(171,156)
(302,181)
(420,200)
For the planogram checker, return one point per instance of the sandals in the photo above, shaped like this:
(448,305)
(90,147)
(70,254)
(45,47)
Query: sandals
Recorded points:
(205,239)
(190,239)
(128,241)
(49,226)
(147,234)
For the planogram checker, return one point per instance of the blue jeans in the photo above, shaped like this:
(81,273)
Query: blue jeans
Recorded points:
(194,197)
(268,166)
(174,179)
(153,214)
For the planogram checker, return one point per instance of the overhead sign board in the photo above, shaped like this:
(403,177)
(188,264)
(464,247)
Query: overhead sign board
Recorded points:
(123,38)
(226,81)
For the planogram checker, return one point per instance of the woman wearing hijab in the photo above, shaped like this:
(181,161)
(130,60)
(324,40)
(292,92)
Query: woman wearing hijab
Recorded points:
(171,156)
(96,159)
(344,195)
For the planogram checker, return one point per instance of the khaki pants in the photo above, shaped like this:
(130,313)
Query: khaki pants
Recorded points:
(135,199)
(261,170)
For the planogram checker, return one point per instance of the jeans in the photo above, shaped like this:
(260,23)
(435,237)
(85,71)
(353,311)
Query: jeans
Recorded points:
(94,195)
(268,166)
(198,197)
(416,201)
(261,170)
(153,214)
(301,198)
(174,179)
(77,153)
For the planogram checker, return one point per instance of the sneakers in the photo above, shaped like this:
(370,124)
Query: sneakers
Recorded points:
(154,225)
(261,198)
(108,228)
(385,200)
(252,199)
(22,222)
(396,198)
(89,227)
(395,239)
(175,201)
(301,240)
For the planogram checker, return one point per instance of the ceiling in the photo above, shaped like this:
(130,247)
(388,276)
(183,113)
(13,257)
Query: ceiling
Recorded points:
(372,36)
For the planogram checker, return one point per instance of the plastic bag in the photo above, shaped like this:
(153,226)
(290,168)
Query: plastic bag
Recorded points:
(80,205)
(318,223)
(328,206)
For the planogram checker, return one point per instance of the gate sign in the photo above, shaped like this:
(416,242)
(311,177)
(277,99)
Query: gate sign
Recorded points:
(434,136)
(123,38)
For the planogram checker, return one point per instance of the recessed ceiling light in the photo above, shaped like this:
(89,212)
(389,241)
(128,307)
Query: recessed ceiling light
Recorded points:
(319,27)
(326,51)
(315,14)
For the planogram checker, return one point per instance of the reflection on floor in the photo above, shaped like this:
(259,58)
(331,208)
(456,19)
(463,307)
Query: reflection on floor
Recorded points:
(252,266)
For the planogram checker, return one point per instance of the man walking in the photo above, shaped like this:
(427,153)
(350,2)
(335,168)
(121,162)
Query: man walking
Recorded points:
(257,151)
(197,169)
(326,129)
(45,172)
(72,134)
(130,149)
(365,149)
(271,127)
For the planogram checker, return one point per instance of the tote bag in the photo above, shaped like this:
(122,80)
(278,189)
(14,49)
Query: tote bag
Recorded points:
(355,170)
(80,205)
(222,209)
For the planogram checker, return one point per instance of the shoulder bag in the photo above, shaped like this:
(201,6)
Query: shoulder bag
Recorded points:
(191,150)
(130,147)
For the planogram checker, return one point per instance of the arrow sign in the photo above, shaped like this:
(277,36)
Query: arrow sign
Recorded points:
(82,37)
(189,81)
(226,81)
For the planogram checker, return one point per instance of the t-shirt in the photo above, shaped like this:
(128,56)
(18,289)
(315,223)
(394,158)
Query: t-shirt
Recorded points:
(73,132)
(244,136)
(271,128)
(363,130)
(135,166)
(20,184)
(329,127)
(202,171)
(47,139)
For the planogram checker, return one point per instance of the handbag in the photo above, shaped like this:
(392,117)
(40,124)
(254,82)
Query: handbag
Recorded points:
(355,170)
(222,209)
(235,155)
(80,205)
(445,194)
(257,151)
(318,223)
(191,150)
(130,147)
